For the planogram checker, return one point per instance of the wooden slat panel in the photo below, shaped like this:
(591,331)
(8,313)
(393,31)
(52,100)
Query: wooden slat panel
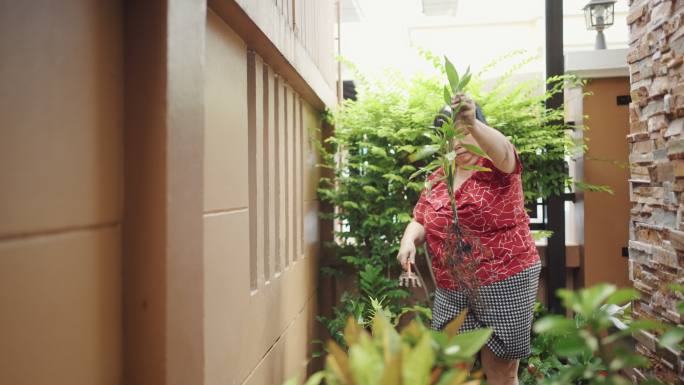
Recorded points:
(302,142)
(267,170)
(282,191)
(261,163)
(251,168)
(288,175)
(295,176)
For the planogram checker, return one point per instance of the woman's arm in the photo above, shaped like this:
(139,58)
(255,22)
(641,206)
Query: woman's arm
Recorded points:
(413,235)
(495,145)
(490,140)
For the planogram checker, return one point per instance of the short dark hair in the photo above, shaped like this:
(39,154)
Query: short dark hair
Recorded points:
(446,110)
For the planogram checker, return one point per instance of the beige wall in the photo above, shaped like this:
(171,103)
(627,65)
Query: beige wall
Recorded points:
(61,195)
(302,31)
(260,217)
(163,280)
(158,215)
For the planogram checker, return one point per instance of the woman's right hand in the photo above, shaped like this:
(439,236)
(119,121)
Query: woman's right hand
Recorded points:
(406,254)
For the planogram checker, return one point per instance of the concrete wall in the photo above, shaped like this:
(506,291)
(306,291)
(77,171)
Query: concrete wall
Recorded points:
(656,246)
(61,197)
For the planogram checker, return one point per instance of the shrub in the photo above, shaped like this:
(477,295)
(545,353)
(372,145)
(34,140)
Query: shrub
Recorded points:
(370,154)
(371,188)
(415,356)
(595,346)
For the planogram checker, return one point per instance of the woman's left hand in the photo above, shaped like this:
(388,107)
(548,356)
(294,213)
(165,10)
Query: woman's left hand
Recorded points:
(465,119)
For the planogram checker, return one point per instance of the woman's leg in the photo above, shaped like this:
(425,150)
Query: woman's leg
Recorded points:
(498,370)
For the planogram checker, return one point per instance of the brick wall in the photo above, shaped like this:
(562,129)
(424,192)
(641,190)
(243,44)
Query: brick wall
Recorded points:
(656,140)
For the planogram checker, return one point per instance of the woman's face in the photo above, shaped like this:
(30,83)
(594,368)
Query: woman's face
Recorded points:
(463,156)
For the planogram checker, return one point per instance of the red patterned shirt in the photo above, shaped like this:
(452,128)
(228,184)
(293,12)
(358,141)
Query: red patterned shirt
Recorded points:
(490,207)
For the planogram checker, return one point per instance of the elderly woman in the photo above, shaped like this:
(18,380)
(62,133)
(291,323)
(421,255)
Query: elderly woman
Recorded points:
(492,215)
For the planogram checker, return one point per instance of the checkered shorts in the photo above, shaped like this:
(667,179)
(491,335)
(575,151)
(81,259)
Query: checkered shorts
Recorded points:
(505,306)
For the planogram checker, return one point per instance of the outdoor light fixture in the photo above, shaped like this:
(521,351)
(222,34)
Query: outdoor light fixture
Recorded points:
(599,15)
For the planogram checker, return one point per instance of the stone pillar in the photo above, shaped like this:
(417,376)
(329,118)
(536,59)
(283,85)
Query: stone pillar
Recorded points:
(656,247)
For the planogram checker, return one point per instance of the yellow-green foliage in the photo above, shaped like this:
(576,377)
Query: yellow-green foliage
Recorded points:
(415,356)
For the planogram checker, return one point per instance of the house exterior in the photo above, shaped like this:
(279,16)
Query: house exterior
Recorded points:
(158,215)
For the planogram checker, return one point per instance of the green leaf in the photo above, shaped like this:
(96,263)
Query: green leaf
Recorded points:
(624,361)
(571,345)
(386,336)
(407,148)
(350,205)
(447,96)
(426,170)
(475,167)
(452,75)
(315,378)
(465,80)
(365,362)
(378,151)
(633,327)
(474,149)
(413,330)
(538,235)
(337,362)
(570,299)
(417,309)
(394,177)
(553,324)
(676,287)
(370,190)
(448,129)
(453,377)
(404,218)
(418,362)
(423,152)
(622,296)
(392,372)
(593,297)
(466,345)
(673,337)
(451,329)
(352,331)
(583,186)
